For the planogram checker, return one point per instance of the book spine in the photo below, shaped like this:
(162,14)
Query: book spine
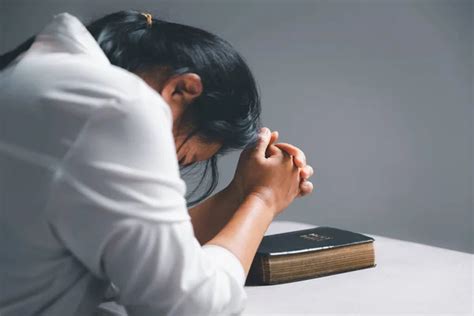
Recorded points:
(259,273)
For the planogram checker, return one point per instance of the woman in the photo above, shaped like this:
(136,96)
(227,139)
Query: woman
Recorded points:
(95,123)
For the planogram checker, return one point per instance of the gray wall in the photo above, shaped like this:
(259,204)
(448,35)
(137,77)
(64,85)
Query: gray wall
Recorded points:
(377,93)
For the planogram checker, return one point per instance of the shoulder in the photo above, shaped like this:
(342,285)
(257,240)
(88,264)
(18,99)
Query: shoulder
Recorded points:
(113,84)
(65,94)
(58,79)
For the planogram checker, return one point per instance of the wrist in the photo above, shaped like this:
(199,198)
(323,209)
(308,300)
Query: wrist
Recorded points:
(265,199)
(261,206)
(263,196)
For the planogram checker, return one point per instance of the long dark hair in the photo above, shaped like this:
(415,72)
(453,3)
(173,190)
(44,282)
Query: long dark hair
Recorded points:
(228,110)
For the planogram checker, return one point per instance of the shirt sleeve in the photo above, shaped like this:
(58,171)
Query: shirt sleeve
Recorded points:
(117,203)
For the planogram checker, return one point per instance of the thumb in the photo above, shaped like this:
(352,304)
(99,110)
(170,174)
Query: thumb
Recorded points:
(273,138)
(264,138)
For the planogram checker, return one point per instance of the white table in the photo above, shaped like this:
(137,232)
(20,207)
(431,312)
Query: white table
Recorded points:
(409,278)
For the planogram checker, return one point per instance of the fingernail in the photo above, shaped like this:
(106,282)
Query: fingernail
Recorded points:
(264,131)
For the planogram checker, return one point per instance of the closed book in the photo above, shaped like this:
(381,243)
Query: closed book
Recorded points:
(310,253)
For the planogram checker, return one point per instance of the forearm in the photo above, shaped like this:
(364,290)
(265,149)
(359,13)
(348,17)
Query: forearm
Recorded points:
(210,216)
(245,229)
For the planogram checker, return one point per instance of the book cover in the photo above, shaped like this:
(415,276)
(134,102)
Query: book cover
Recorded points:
(310,253)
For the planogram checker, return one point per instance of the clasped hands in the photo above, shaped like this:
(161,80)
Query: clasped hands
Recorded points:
(299,159)
(270,172)
(277,173)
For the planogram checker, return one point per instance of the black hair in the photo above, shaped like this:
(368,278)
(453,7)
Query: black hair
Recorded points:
(227,111)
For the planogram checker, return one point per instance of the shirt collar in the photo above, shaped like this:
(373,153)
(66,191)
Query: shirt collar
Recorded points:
(66,33)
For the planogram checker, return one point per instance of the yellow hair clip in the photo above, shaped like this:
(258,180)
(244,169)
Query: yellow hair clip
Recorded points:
(149,19)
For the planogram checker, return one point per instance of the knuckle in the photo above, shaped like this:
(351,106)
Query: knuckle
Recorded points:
(261,140)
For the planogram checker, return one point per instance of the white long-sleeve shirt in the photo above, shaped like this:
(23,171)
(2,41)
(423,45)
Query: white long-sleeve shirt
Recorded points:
(90,191)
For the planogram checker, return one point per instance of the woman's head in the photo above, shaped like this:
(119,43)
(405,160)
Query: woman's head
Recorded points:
(179,92)
(209,87)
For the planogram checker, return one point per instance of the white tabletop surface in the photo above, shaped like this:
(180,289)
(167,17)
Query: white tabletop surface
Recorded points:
(409,279)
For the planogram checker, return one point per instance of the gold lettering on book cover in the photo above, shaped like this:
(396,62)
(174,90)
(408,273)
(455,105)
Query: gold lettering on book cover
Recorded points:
(315,237)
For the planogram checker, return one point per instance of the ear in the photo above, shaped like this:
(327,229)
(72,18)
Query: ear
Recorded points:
(182,89)
(179,91)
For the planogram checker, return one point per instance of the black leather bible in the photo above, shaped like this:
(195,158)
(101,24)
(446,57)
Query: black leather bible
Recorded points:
(310,253)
